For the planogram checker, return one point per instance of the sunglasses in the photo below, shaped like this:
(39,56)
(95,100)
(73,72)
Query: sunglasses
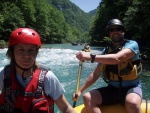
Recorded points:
(115,29)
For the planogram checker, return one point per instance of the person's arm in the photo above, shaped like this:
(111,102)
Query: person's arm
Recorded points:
(63,105)
(54,89)
(117,58)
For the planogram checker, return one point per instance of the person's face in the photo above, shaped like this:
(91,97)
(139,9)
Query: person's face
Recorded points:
(116,33)
(25,54)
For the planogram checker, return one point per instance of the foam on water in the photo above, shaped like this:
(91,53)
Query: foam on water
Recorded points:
(3,59)
(51,57)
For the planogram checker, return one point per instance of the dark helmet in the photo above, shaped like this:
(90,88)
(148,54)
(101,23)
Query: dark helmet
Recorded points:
(114,22)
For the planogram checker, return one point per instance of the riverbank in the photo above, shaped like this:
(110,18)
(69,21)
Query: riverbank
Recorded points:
(3,44)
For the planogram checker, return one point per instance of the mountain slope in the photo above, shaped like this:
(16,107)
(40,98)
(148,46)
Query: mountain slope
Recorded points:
(74,16)
(93,12)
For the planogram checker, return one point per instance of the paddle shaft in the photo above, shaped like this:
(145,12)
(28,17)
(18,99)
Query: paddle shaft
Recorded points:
(78,82)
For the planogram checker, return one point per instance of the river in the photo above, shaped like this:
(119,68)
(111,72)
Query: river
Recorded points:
(61,59)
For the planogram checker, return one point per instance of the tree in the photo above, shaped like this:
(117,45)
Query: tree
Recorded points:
(9,19)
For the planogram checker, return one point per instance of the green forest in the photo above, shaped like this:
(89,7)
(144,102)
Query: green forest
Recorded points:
(60,21)
(135,14)
(56,21)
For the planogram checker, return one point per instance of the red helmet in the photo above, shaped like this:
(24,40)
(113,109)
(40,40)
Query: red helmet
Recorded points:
(24,35)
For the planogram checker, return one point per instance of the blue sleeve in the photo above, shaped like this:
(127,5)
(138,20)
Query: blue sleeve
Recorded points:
(103,52)
(134,47)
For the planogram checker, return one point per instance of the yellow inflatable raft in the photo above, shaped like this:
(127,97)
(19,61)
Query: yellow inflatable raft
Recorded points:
(145,106)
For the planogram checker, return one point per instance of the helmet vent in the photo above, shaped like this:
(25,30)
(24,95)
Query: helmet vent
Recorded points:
(33,34)
(19,33)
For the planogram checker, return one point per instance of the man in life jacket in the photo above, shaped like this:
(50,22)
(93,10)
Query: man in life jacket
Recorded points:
(86,47)
(119,64)
(26,86)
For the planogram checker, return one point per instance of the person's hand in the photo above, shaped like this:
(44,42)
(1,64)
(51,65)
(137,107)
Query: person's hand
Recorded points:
(75,97)
(82,56)
(79,55)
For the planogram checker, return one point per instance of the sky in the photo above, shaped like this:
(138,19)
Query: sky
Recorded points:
(86,5)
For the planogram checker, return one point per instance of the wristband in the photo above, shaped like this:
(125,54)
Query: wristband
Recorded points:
(92,57)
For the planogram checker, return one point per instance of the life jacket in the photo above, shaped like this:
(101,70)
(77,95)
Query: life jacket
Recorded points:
(86,50)
(16,99)
(124,71)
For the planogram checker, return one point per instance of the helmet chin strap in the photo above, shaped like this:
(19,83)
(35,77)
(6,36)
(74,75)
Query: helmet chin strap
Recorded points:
(23,69)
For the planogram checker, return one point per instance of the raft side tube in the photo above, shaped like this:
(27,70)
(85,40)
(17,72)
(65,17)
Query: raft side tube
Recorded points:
(117,108)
